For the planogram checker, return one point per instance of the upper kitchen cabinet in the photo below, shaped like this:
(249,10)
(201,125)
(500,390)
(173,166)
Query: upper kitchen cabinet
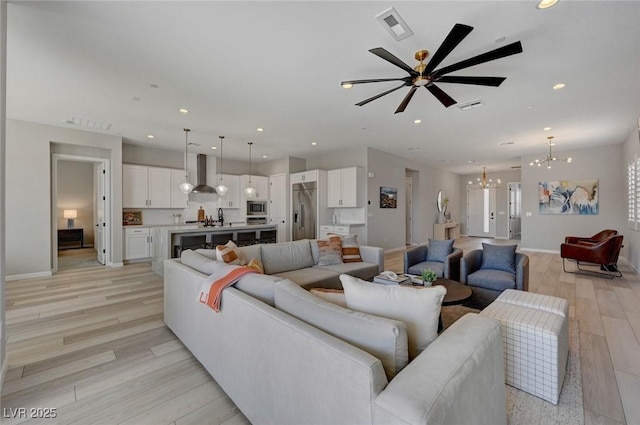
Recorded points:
(344,187)
(149,187)
(231,199)
(304,177)
(260,184)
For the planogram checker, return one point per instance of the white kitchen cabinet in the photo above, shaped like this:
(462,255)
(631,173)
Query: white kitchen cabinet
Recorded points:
(341,229)
(179,199)
(137,243)
(304,176)
(344,187)
(260,184)
(146,187)
(231,199)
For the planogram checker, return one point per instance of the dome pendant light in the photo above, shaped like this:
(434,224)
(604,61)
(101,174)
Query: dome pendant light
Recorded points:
(221,189)
(185,186)
(249,191)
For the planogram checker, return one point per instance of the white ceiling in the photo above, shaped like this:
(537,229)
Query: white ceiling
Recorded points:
(240,65)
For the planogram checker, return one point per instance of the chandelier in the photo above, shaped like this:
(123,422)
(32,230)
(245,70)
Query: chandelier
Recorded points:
(550,158)
(482,181)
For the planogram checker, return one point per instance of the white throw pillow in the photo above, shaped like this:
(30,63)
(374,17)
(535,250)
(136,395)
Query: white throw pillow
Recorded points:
(418,307)
(229,253)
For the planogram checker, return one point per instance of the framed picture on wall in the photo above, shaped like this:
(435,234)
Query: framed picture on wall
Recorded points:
(388,197)
(579,197)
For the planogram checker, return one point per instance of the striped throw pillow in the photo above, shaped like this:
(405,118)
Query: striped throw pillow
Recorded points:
(330,252)
(350,249)
(228,253)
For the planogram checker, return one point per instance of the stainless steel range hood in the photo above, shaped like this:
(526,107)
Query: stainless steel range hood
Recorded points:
(202,176)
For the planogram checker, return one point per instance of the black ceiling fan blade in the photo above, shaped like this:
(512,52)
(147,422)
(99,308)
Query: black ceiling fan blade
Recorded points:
(444,98)
(501,52)
(406,100)
(364,102)
(456,35)
(479,81)
(389,57)
(375,80)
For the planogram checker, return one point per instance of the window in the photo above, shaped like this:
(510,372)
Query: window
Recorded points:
(633,183)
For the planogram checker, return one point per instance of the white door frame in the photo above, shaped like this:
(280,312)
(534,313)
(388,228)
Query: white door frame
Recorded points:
(488,208)
(513,186)
(408,184)
(56,157)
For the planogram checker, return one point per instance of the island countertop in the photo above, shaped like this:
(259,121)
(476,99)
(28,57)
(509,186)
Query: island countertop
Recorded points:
(166,237)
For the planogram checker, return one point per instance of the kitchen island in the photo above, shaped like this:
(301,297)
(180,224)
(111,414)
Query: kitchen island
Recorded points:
(166,238)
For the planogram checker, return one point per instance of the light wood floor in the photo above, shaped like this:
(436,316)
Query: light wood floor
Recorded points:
(91,343)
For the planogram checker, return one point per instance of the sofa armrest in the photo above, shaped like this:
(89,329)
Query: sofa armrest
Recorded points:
(373,255)
(522,272)
(414,256)
(452,265)
(469,263)
(458,379)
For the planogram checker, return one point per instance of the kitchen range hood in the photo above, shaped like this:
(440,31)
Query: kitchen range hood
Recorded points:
(202,176)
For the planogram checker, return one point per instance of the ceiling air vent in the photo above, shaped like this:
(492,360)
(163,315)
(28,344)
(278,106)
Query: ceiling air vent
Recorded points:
(469,105)
(90,124)
(393,23)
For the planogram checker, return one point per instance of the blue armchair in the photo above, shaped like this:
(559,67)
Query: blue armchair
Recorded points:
(439,256)
(491,270)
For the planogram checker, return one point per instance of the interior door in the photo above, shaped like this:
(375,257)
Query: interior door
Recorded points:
(515,203)
(481,212)
(101,197)
(278,204)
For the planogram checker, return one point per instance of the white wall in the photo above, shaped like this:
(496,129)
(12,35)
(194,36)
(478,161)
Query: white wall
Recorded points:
(3,116)
(547,232)
(631,150)
(28,213)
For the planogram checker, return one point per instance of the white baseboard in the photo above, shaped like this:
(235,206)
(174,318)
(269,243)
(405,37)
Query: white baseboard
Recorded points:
(27,276)
(544,251)
(116,265)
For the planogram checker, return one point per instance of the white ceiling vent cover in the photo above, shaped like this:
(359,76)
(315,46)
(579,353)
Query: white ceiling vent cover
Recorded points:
(392,22)
(470,105)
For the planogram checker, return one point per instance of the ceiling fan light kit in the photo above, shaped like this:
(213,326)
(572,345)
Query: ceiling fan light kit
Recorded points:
(426,75)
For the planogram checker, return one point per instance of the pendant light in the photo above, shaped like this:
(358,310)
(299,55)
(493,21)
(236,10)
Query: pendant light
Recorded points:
(250,191)
(483,183)
(185,186)
(221,189)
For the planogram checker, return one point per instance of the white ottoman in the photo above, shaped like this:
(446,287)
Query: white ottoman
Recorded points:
(535,338)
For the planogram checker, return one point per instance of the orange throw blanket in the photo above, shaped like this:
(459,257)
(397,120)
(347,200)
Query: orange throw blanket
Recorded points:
(214,296)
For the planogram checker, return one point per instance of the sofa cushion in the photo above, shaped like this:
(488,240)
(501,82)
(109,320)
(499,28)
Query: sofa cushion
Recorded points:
(229,253)
(285,256)
(312,278)
(199,262)
(209,253)
(330,251)
(335,296)
(259,286)
(433,265)
(499,257)
(439,250)
(350,248)
(498,280)
(383,338)
(364,271)
(418,307)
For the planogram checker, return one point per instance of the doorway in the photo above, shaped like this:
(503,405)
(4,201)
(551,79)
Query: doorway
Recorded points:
(79,212)
(481,212)
(515,208)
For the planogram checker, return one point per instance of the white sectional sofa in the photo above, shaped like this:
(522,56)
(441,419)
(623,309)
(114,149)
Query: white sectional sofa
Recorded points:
(280,369)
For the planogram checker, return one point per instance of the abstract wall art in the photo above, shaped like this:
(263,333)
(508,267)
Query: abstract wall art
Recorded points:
(568,197)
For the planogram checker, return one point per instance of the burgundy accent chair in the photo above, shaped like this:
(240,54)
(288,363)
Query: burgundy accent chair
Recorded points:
(604,253)
(598,237)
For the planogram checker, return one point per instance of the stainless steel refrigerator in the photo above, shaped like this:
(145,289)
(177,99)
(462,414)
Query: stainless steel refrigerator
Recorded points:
(305,203)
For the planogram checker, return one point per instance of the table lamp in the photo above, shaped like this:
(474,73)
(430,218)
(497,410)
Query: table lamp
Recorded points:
(70,215)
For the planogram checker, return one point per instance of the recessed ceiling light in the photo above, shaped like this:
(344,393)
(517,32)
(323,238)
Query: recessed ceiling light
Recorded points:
(265,156)
(183,111)
(547,128)
(150,136)
(471,161)
(417,121)
(530,107)
(314,143)
(214,147)
(545,4)
(260,129)
(559,86)
(501,39)
(506,143)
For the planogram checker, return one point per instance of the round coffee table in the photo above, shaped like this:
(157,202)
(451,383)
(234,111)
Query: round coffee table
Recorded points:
(457,293)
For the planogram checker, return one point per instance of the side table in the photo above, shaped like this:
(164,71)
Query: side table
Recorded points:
(66,236)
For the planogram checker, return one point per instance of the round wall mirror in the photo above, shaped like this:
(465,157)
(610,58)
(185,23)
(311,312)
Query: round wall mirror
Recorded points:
(440,201)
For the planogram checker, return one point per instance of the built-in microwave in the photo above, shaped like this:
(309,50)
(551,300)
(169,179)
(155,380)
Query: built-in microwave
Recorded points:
(256,207)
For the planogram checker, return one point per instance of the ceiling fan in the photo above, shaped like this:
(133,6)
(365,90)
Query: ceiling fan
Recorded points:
(425,75)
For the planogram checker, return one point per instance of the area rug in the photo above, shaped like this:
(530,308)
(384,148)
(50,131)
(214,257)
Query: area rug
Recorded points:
(525,409)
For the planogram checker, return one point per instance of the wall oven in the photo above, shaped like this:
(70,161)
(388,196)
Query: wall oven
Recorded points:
(256,207)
